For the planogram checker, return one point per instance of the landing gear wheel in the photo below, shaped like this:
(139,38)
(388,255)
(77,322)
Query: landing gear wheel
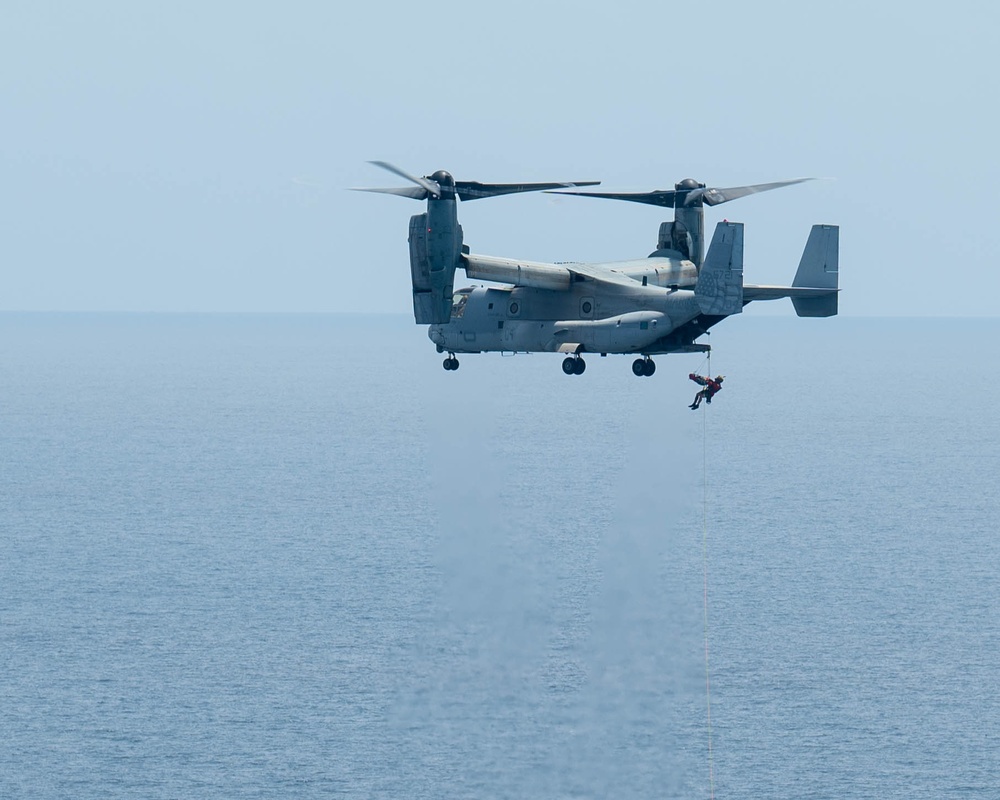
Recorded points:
(569,365)
(643,367)
(450,363)
(579,366)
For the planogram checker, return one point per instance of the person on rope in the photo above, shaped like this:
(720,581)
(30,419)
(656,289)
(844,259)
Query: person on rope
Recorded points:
(712,386)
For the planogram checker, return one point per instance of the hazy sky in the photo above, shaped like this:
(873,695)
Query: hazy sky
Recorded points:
(195,156)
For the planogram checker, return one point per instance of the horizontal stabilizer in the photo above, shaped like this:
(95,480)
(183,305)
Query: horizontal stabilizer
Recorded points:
(759,292)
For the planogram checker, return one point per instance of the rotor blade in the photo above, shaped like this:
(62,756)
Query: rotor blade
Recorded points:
(407,191)
(713,197)
(473,190)
(432,187)
(663,198)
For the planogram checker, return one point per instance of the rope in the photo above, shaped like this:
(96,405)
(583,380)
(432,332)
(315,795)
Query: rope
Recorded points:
(706,364)
(704,559)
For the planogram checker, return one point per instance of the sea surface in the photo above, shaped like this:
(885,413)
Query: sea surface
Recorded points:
(259,556)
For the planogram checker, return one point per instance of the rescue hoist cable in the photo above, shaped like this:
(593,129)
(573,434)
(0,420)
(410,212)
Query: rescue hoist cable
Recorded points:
(704,559)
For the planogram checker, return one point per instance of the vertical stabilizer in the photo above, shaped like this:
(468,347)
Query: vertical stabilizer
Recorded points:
(720,282)
(819,269)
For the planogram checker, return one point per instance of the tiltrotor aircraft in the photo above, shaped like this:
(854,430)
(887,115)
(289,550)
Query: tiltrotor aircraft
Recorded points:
(645,307)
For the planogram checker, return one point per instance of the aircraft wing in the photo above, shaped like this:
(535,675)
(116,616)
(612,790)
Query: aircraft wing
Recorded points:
(539,275)
(601,275)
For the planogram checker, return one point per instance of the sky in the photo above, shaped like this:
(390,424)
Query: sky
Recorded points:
(196,157)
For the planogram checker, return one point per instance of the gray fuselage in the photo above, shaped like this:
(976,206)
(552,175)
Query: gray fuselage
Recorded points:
(585,318)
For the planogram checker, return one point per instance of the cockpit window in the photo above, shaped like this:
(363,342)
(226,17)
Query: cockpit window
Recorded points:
(458,305)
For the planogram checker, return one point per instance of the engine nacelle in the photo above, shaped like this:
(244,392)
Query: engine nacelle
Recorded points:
(518,273)
(435,252)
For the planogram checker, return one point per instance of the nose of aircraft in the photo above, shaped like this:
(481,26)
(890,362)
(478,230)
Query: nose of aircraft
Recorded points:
(435,335)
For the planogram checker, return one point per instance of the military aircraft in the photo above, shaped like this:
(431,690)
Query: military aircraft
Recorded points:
(643,307)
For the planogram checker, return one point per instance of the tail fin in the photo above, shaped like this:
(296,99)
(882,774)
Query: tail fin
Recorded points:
(818,269)
(720,281)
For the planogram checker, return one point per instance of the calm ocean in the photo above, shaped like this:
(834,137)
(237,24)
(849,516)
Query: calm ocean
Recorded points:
(291,556)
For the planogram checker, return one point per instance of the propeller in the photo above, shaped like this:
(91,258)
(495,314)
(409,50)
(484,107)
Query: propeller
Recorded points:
(442,184)
(689,193)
